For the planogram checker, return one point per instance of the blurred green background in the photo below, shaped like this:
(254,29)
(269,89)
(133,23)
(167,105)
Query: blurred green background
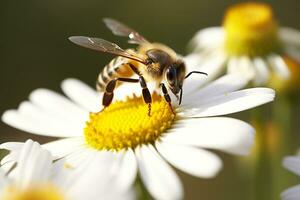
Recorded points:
(35,52)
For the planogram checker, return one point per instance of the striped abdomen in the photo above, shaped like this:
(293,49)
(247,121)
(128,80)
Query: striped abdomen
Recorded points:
(118,67)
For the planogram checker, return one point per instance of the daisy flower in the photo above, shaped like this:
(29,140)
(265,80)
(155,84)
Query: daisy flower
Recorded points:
(128,141)
(29,173)
(292,163)
(251,43)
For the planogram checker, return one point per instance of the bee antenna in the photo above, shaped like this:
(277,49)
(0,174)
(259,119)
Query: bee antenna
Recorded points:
(194,72)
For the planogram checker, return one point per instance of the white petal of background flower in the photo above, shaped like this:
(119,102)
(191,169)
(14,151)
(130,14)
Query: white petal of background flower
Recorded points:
(212,67)
(11,157)
(210,37)
(3,181)
(242,66)
(290,36)
(226,134)
(292,193)
(194,161)
(261,71)
(279,66)
(159,178)
(28,171)
(11,145)
(293,52)
(292,163)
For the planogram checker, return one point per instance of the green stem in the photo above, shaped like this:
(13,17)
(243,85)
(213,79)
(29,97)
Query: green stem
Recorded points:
(281,117)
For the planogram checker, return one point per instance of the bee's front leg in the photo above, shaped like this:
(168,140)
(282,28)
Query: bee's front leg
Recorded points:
(166,95)
(145,91)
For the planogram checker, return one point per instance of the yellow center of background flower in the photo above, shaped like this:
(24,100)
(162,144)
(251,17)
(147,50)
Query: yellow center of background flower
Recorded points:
(126,124)
(43,192)
(250,30)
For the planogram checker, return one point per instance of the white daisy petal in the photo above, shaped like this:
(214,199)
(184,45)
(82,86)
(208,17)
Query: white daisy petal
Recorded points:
(197,162)
(292,193)
(49,120)
(127,171)
(63,147)
(228,103)
(279,66)
(262,71)
(37,125)
(158,177)
(208,38)
(222,85)
(226,134)
(58,105)
(290,36)
(82,94)
(292,163)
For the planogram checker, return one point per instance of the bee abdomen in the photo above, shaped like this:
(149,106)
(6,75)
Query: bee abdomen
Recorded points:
(111,71)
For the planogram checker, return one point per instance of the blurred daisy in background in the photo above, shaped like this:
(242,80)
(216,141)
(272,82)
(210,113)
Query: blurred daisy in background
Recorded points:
(292,163)
(251,43)
(127,140)
(29,172)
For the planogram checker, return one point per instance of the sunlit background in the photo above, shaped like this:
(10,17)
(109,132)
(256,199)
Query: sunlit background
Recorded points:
(35,52)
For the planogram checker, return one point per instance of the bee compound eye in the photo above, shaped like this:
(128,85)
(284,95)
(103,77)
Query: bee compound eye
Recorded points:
(171,75)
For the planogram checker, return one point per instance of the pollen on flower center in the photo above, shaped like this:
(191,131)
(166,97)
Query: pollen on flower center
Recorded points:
(250,30)
(45,192)
(126,124)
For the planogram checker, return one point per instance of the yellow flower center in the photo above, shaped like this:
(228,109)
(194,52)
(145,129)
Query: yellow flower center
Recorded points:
(250,30)
(44,192)
(126,124)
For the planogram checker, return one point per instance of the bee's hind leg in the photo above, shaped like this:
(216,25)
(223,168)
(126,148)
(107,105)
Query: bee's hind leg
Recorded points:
(110,87)
(166,95)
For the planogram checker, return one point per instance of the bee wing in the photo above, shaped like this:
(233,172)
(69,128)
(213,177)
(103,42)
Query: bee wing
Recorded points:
(102,45)
(121,29)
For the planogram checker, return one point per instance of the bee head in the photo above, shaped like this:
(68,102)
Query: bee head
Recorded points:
(174,75)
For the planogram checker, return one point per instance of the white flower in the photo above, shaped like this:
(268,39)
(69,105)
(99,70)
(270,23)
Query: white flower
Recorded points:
(292,163)
(29,172)
(249,43)
(126,140)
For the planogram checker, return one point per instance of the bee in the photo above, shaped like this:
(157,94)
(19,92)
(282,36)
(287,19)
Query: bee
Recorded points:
(150,62)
